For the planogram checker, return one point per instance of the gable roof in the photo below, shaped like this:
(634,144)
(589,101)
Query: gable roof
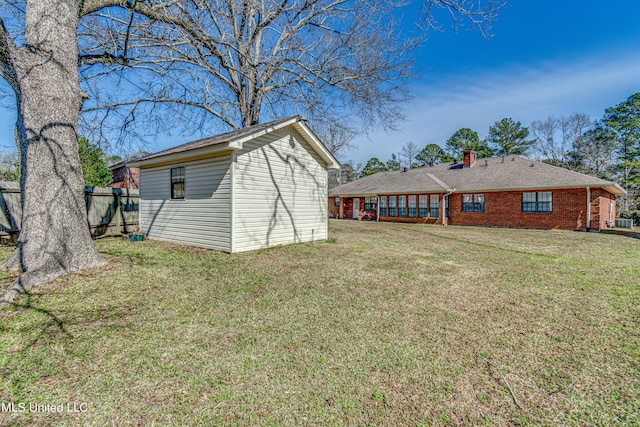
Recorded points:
(510,173)
(234,140)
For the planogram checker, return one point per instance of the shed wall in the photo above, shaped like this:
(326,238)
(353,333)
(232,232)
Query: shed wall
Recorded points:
(280,192)
(202,218)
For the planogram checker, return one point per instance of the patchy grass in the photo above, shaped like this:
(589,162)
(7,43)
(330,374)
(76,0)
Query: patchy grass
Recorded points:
(383,324)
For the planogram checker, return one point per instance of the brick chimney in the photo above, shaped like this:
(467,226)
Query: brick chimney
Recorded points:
(469,157)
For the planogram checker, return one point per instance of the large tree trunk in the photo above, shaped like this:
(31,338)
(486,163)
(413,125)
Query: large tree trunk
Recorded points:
(54,237)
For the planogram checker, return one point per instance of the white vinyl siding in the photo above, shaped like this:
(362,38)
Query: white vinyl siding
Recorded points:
(202,218)
(280,192)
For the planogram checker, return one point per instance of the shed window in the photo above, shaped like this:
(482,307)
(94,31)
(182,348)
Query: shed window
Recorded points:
(383,205)
(422,206)
(537,202)
(336,201)
(392,205)
(370,203)
(402,206)
(434,205)
(177,183)
(473,203)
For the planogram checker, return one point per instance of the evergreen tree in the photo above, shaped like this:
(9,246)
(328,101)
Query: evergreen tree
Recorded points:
(508,137)
(94,164)
(624,119)
(466,138)
(374,165)
(431,155)
(393,164)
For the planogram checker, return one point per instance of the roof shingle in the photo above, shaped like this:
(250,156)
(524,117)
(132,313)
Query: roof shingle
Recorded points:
(492,174)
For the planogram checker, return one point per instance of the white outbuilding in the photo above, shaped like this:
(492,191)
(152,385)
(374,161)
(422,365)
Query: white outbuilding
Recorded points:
(253,188)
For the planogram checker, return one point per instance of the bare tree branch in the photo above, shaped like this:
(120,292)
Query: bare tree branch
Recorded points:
(479,14)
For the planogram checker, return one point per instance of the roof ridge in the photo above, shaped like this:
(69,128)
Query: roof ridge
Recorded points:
(219,138)
(438,181)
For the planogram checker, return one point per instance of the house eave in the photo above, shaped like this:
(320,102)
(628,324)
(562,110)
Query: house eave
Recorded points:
(612,188)
(237,144)
(321,149)
(183,156)
(347,195)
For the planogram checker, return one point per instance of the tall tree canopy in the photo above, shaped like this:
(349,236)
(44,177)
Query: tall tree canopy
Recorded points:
(93,162)
(624,119)
(374,165)
(408,155)
(393,163)
(556,138)
(238,62)
(507,136)
(466,138)
(594,152)
(431,155)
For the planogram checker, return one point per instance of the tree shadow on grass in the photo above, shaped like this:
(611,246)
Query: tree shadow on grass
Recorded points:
(52,324)
(52,320)
(634,234)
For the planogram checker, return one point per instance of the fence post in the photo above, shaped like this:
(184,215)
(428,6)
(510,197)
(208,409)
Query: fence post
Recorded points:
(118,213)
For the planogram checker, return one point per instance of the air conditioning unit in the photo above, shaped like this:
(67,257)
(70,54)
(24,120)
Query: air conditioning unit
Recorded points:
(624,223)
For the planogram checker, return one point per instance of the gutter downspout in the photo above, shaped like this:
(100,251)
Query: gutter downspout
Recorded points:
(588,208)
(445,199)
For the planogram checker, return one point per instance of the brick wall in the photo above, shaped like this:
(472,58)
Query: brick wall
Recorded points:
(504,209)
(601,202)
(347,209)
(125,177)
(334,211)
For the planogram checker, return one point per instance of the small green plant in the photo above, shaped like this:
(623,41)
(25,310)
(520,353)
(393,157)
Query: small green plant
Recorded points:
(379,396)
(483,398)
(331,240)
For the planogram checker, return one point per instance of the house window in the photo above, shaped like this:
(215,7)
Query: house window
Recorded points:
(422,206)
(177,183)
(370,203)
(336,201)
(434,205)
(383,205)
(446,207)
(412,206)
(402,206)
(473,203)
(392,205)
(536,202)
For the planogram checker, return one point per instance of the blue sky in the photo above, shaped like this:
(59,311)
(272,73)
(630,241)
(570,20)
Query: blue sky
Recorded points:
(545,58)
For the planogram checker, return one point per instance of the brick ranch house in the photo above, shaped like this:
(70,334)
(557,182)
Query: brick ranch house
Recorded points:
(508,191)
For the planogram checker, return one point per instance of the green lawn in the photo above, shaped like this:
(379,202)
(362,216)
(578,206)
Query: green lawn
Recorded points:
(383,324)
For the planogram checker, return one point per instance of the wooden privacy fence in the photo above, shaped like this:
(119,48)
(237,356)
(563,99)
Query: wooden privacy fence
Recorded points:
(111,211)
